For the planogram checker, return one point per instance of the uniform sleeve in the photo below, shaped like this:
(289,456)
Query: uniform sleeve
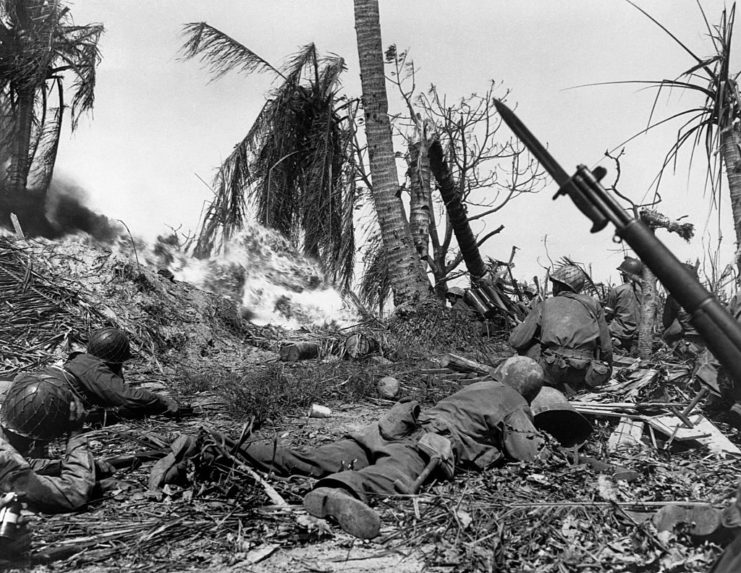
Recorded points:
(522,335)
(111,390)
(521,439)
(610,304)
(69,491)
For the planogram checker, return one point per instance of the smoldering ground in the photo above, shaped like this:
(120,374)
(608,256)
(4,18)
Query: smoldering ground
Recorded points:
(58,212)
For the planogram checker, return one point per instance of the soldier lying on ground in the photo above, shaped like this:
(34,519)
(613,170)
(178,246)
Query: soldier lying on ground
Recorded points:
(483,424)
(567,334)
(96,378)
(39,408)
(623,305)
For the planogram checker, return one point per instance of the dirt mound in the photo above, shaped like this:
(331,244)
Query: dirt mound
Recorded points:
(55,293)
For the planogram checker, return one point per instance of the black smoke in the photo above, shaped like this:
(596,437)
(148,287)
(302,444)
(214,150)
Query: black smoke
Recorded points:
(58,212)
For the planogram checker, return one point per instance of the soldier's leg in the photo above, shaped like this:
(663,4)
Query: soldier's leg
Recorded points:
(313,462)
(345,495)
(400,461)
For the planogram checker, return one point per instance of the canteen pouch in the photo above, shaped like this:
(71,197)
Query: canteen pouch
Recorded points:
(598,373)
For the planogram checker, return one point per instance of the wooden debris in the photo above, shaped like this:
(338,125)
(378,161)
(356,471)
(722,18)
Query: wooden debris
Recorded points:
(17,226)
(627,434)
(461,364)
(295,351)
(703,431)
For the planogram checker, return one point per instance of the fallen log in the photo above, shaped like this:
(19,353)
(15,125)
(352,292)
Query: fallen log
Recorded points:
(461,364)
(294,351)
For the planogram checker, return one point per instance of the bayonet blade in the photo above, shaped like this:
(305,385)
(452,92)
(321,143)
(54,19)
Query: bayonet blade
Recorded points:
(531,142)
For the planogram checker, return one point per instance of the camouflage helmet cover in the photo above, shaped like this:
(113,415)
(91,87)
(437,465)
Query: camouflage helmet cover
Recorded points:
(37,405)
(570,276)
(110,345)
(521,373)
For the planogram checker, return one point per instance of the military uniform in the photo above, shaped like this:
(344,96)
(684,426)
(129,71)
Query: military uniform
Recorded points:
(486,422)
(623,309)
(679,329)
(50,486)
(567,334)
(96,384)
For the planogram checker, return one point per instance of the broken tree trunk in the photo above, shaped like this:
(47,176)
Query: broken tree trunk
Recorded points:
(654,220)
(456,212)
(419,187)
(294,351)
(461,364)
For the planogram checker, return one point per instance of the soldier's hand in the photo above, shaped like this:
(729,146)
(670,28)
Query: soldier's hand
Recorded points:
(103,468)
(77,414)
(173,407)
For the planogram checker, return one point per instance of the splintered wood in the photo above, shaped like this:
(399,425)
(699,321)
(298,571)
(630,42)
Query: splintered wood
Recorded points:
(675,419)
(627,434)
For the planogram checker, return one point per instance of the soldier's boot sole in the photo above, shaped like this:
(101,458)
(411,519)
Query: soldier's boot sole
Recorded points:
(353,516)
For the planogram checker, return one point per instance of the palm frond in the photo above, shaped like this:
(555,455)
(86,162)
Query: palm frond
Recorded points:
(221,53)
(290,169)
(668,32)
(375,285)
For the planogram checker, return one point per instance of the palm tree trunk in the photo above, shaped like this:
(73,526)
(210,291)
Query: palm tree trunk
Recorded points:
(419,206)
(409,281)
(19,160)
(456,213)
(730,141)
(647,320)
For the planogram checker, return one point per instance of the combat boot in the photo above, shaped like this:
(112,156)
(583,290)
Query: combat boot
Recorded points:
(353,516)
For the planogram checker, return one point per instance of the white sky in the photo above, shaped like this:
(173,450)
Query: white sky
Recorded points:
(158,121)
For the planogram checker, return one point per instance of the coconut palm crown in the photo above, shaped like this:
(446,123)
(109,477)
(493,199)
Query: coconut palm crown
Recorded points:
(40,48)
(292,166)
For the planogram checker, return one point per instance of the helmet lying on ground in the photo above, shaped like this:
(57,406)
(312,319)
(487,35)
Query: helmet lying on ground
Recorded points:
(110,345)
(553,413)
(521,373)
(570,276)
(38,405)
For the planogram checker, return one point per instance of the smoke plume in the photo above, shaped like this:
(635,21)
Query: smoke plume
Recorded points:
(58,212)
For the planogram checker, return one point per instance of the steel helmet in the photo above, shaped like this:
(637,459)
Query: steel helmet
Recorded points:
(37,405)
(631,266)
(456,291)
(569,275)
(521,373)
(553,413)
(110,345)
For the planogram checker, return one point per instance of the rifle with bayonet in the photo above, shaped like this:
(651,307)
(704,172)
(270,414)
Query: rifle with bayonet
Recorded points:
(720,331)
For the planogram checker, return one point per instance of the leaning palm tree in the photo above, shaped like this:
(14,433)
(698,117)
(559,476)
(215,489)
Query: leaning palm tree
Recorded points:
(714,123)
(40,47)
(292,166)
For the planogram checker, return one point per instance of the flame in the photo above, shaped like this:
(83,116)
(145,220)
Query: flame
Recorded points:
(273,283)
